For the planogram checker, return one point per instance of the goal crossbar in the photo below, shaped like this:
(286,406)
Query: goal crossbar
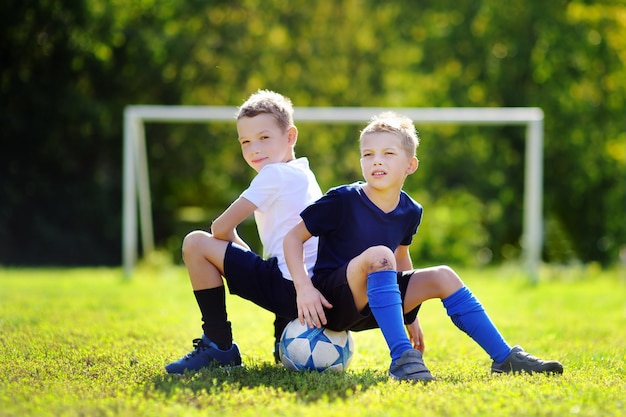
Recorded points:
(136,177)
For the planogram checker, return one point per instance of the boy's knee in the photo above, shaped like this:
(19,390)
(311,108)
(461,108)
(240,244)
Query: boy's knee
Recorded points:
(446,272)
(194,241)
(446,276)
(380,258)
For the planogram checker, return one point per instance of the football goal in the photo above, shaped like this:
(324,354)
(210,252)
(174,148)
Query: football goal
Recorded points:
(136,205)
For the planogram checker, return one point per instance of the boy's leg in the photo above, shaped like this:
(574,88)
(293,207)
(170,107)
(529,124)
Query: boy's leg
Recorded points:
(465,311)
(468,314)
(372,279)
(279,326)
(248,275)
(204,259)
(386,305)
(261,281)
(215,324)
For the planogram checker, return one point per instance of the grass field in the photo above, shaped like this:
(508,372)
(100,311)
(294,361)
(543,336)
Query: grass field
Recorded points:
(86,342)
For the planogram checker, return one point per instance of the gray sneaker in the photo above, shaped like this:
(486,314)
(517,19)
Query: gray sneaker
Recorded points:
(410,367)
(520,361)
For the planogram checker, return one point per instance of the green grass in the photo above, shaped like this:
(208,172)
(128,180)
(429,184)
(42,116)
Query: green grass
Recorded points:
(87,342)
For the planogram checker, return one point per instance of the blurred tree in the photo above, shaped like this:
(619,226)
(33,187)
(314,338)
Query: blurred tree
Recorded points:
(67,70)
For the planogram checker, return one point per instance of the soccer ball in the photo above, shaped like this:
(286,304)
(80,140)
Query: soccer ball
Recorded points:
(301,348)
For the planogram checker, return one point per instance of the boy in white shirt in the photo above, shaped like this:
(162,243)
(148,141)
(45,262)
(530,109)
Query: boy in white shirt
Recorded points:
(282,188)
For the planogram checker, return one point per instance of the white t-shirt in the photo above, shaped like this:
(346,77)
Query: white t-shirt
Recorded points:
(280,192)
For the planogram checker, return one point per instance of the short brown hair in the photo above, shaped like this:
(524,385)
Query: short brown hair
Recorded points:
(394,123)
(270,102)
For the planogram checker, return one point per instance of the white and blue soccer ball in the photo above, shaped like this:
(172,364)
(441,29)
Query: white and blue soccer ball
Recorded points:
(315,349)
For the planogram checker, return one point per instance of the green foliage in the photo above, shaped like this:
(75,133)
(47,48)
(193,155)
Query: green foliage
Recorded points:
(69,68)
(88,342)
(450,232)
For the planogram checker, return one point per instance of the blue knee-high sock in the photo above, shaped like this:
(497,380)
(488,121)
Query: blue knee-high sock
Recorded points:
(468,314)
(385,302)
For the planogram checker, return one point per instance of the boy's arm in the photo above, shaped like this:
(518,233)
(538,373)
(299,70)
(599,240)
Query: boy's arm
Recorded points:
(416,335)
(310,301)
(225,226)
(403,258)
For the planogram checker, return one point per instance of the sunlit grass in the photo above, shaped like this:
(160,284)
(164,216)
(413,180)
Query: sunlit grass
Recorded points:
(89,342)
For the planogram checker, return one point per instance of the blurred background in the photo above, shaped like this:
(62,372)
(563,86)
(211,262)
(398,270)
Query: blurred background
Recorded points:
(69,68)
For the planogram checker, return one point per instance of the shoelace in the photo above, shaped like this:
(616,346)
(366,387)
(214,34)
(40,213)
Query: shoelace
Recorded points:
(198,345)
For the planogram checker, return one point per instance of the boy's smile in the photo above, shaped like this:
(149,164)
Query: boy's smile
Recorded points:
(258,160)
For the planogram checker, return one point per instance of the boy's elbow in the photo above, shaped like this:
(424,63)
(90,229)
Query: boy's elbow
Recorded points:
(219,231)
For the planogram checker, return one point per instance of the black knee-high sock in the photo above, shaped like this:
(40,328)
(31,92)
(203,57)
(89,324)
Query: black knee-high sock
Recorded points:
(279,325)
(212,303)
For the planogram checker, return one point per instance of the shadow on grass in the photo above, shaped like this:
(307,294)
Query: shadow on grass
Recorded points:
(307,386)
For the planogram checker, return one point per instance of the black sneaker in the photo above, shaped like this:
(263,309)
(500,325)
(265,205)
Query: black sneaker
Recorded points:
(520,361)
(410,367)
(205,354)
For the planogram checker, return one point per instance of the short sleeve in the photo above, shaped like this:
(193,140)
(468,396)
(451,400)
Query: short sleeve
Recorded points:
(265,187)
(325,214)
(414,211)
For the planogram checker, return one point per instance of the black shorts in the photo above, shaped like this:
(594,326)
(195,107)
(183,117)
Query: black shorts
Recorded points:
(259,280)
(344,314)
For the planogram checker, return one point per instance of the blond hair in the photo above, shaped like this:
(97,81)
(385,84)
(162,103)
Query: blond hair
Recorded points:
(270,102)
(392,122)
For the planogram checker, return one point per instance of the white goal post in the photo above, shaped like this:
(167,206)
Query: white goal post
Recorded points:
(135,170)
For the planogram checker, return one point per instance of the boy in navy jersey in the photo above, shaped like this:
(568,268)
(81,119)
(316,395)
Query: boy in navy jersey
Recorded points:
(363,277)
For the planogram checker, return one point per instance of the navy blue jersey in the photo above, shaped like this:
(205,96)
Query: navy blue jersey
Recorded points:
(348,222)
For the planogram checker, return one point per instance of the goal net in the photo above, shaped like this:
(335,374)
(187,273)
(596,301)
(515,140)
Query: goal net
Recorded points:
(136,205)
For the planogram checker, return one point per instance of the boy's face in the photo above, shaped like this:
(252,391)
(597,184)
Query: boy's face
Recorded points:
(384,162)
(263,142)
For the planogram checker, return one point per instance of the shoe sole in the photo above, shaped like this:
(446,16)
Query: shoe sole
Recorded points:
(555,371)
(226,368)
(414,380)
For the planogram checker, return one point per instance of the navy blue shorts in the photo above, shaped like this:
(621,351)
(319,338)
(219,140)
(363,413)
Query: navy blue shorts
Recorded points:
(259,280)
(344,314)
